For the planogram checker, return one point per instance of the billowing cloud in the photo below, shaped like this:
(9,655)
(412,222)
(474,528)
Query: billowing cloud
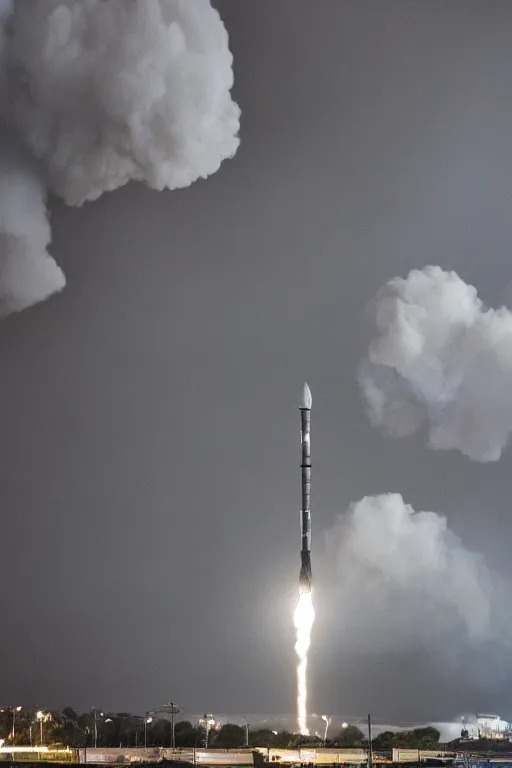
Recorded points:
(440,360)
(402,577)
(28,274)
(105,92)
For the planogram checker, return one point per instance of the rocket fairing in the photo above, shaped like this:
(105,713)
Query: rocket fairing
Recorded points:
(305,575)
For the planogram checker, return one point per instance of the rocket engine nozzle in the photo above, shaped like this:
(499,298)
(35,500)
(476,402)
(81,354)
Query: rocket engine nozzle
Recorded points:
(305,575)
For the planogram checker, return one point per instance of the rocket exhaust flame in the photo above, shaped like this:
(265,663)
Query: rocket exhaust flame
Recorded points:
(303,619)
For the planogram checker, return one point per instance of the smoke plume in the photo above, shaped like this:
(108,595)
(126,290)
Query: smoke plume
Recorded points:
(28,273)
(403,577)
(106,92)
(442,360)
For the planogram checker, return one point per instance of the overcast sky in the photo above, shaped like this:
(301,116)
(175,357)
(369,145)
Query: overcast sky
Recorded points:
(150,450)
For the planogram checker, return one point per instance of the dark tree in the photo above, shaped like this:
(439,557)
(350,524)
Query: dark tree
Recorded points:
(384,742)
(284,739)
(426,738)
(65,729)
(351,736)
(229,736)
(187,735)
(420,738)
(263,737)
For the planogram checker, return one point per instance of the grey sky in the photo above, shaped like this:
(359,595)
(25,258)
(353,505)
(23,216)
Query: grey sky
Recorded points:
(150,453)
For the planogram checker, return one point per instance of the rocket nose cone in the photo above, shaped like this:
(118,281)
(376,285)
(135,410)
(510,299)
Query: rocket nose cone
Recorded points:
(305,398)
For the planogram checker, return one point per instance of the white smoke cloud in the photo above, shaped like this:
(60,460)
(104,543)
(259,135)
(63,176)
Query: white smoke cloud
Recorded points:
(403,578)
(121,90)
(28,274)
(105,92)
(440,359)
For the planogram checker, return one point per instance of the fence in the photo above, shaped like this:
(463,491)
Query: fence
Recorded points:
(421,755)
(37,755)
(225,757)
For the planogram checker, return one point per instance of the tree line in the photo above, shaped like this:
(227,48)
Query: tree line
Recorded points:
(23,726)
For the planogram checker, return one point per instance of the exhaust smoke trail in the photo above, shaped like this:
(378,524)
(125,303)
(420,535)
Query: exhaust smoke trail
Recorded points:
(303,618)
(403,579)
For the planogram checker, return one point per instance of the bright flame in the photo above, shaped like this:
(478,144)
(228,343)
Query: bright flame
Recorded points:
(303,619)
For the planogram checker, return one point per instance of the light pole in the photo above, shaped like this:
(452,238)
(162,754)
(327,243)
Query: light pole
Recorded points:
(14,710)
(173,710)
(327,720)
(246,731)
(146,721)
(94,712)
(370,747)
(40,716)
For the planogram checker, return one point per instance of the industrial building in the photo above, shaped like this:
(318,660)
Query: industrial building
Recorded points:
(487,726)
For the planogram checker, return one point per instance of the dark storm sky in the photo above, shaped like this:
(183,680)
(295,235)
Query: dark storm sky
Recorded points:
(150,433)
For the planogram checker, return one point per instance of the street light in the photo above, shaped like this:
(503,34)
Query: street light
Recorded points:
(96,726)
(173,710)
(40,717)
(14,710)
(246,731)
(370,743)
(327,720)
(147,720)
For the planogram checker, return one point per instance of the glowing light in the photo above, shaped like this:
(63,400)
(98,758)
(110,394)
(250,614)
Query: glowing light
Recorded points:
(303,619)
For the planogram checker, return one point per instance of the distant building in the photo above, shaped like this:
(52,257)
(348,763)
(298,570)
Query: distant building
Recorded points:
(493,727)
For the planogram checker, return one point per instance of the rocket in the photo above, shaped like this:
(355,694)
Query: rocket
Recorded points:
(305,575)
